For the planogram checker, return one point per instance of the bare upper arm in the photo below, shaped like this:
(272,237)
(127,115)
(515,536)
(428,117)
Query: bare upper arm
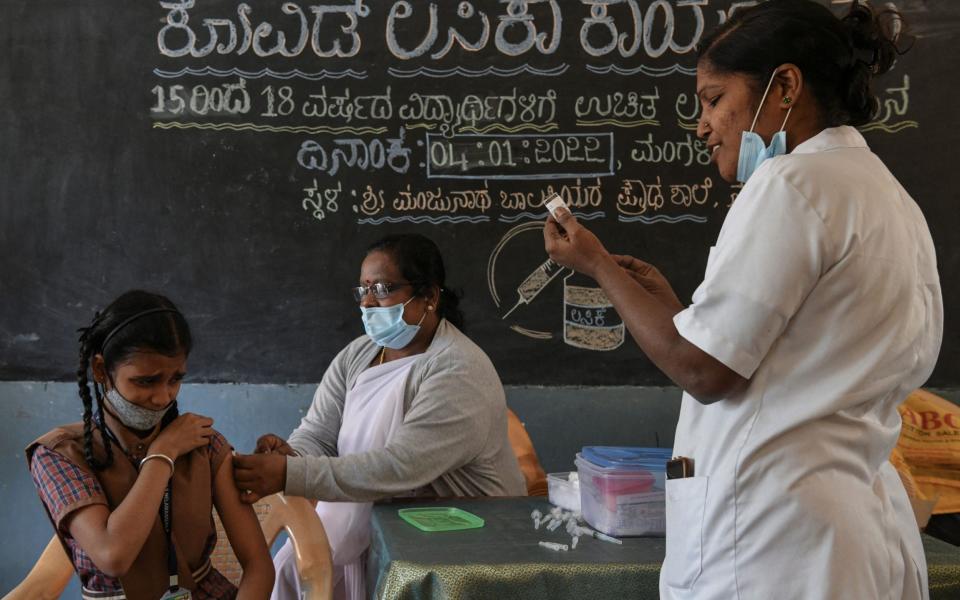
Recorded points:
(239,519)
(87,525)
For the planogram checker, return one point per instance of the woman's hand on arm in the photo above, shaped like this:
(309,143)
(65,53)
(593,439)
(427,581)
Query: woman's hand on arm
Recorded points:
(113,539)
(273,444)
(646,303)
(246,538)
(259,475)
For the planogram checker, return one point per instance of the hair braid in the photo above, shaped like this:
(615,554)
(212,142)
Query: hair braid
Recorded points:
(83,383)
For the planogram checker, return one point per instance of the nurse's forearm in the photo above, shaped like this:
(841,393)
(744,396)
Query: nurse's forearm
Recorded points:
(650,323)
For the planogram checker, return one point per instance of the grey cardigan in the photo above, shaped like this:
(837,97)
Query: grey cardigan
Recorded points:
(453,437)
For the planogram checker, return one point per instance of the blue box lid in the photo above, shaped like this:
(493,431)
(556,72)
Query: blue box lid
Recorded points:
(627,457)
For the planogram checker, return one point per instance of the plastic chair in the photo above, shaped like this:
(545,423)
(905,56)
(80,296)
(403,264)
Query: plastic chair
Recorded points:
(523,449)
(309,539)
(48,578)
(52,572)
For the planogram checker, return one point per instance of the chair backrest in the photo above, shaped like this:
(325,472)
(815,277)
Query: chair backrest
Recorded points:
(49,576)
(53,570)
(523,449)
(298,518)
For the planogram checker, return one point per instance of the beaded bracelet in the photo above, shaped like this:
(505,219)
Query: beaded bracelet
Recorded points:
(162,456)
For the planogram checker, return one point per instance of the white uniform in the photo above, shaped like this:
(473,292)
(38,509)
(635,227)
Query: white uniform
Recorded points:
(823,291)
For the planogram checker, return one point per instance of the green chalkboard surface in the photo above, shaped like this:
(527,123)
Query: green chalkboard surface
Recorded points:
(239,156)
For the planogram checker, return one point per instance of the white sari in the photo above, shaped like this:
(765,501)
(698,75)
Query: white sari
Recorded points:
(372,411)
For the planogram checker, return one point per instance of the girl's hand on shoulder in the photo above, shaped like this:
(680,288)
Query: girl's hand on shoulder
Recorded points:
(186,433)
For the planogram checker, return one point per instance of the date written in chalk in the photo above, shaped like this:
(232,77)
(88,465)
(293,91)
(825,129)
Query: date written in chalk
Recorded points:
(520,156)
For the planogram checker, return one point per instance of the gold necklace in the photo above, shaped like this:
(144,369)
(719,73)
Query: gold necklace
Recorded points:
(382,353)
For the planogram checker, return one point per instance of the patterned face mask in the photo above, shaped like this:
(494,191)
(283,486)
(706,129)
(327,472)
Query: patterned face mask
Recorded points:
(133,416)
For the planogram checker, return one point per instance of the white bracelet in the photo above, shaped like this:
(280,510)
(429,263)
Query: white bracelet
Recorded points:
(163,456)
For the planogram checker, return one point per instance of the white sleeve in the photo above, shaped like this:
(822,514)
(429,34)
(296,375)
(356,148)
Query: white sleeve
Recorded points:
(771,252)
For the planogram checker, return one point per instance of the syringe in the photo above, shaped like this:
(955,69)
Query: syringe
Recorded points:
(534,283)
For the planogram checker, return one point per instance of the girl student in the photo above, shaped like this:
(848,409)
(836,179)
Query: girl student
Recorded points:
(130,489)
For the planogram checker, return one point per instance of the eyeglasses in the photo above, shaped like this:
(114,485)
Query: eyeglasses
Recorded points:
(380,290)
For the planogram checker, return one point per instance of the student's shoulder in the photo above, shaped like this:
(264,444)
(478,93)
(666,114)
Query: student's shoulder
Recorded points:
(65,441)
(218,443)
(60,435)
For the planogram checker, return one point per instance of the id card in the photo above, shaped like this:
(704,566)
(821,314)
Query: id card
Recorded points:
(177,594)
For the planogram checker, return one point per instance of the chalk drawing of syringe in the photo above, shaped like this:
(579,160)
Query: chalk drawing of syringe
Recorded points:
(530,287)
(527,290)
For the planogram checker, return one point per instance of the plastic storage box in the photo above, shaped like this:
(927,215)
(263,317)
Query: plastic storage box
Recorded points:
(622,489)
(564,491)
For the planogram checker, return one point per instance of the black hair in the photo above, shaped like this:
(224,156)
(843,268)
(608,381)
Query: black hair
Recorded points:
(420,263)
(117,333)
(838,56)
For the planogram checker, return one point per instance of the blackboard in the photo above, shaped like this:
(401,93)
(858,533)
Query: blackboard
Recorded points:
(239,156)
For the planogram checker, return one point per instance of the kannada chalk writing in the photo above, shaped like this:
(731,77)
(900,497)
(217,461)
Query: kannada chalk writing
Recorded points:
(356,152)
(320,202)
(894,103)
(516,131)
(469,115)
(177,37)
(686,151)
(222,99)
(511,28)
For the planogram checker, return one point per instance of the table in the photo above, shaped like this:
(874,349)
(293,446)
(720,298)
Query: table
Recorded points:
(503,559)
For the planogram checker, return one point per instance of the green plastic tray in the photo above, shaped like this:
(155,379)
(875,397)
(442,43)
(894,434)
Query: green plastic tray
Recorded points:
(440,518)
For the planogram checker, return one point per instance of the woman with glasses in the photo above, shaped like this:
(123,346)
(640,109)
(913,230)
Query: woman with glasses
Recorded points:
(412,408)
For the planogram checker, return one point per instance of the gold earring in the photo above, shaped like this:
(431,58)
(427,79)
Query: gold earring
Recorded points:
(429,307)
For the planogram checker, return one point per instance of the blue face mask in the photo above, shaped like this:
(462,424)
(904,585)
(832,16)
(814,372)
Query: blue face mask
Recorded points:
(752,149)
(386,327)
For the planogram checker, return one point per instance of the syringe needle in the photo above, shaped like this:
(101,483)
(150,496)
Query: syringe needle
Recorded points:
(519,302)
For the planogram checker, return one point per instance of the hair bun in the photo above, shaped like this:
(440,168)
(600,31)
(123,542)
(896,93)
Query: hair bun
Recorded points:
(873,37)
(873,47)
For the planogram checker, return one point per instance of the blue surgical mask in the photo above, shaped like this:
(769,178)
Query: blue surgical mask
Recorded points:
(752,149)
(386,327)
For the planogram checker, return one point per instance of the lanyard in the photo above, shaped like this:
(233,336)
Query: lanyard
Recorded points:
(167,518)
(166,515)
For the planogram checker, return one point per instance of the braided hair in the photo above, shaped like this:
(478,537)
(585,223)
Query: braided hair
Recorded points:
(116,334)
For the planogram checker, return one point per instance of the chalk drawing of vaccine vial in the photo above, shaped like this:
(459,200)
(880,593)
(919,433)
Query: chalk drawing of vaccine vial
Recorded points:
(589,320)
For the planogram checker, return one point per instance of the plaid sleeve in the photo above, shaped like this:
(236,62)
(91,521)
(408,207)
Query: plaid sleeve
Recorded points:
(62,485)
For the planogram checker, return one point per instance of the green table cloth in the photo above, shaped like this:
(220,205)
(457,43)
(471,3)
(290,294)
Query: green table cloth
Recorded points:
(504,560)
